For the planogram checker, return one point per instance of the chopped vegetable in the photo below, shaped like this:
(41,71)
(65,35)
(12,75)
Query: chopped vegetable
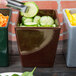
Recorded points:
(30,18)
(23,19)
(54,25)
(32,9)
(15,75)
(74,19)
(46,21)
(37,19)
(56,22)
(39,25)
(31,24)
(29,73)
(21,24)
(71,17)
(3,20)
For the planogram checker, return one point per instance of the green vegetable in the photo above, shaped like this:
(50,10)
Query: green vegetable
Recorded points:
(15,75)
(37,19)
(28,20)
(31,11)
(21,24)
(45,26)
(56,21)
(46,21)
(23,19)
(54,25)
(29,73)
(29,24)
(39,25)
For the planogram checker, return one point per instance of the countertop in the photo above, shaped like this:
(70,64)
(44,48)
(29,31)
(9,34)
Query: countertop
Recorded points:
(59,68)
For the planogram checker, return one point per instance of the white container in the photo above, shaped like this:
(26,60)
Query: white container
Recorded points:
(69,41)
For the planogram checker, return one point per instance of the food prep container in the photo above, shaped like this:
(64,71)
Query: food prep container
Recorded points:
(69,41)
(4,39)
(37,45)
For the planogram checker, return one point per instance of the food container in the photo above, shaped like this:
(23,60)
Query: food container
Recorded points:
(69,41)
(37,45)
(4,39)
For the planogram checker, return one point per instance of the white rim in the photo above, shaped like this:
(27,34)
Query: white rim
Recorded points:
(10,73)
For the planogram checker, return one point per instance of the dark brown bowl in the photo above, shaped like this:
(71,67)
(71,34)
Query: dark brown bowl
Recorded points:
(37,45)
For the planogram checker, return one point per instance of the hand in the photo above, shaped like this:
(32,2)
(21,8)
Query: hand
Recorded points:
(4,2)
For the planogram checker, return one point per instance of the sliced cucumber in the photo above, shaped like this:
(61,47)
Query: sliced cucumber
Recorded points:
(39,25)
(14,75)
(21,24)
(37,19)
(45,26)
(30,24)
(31,11)
(28,20)
(56,22)
(54,25)
(23,19)
(46,21)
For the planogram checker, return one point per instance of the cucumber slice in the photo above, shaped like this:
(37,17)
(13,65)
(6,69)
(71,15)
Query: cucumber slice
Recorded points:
(20,24)
(39,25)
(54,25)
(45,26)
(56,22)
(28,20)
(32,9)
(46,21)
(29,24)
(23,19)
(37,19)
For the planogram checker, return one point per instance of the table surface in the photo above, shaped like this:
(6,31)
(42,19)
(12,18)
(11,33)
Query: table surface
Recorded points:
(59,68)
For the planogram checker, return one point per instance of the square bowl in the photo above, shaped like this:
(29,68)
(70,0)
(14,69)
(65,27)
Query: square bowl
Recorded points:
(37,45)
